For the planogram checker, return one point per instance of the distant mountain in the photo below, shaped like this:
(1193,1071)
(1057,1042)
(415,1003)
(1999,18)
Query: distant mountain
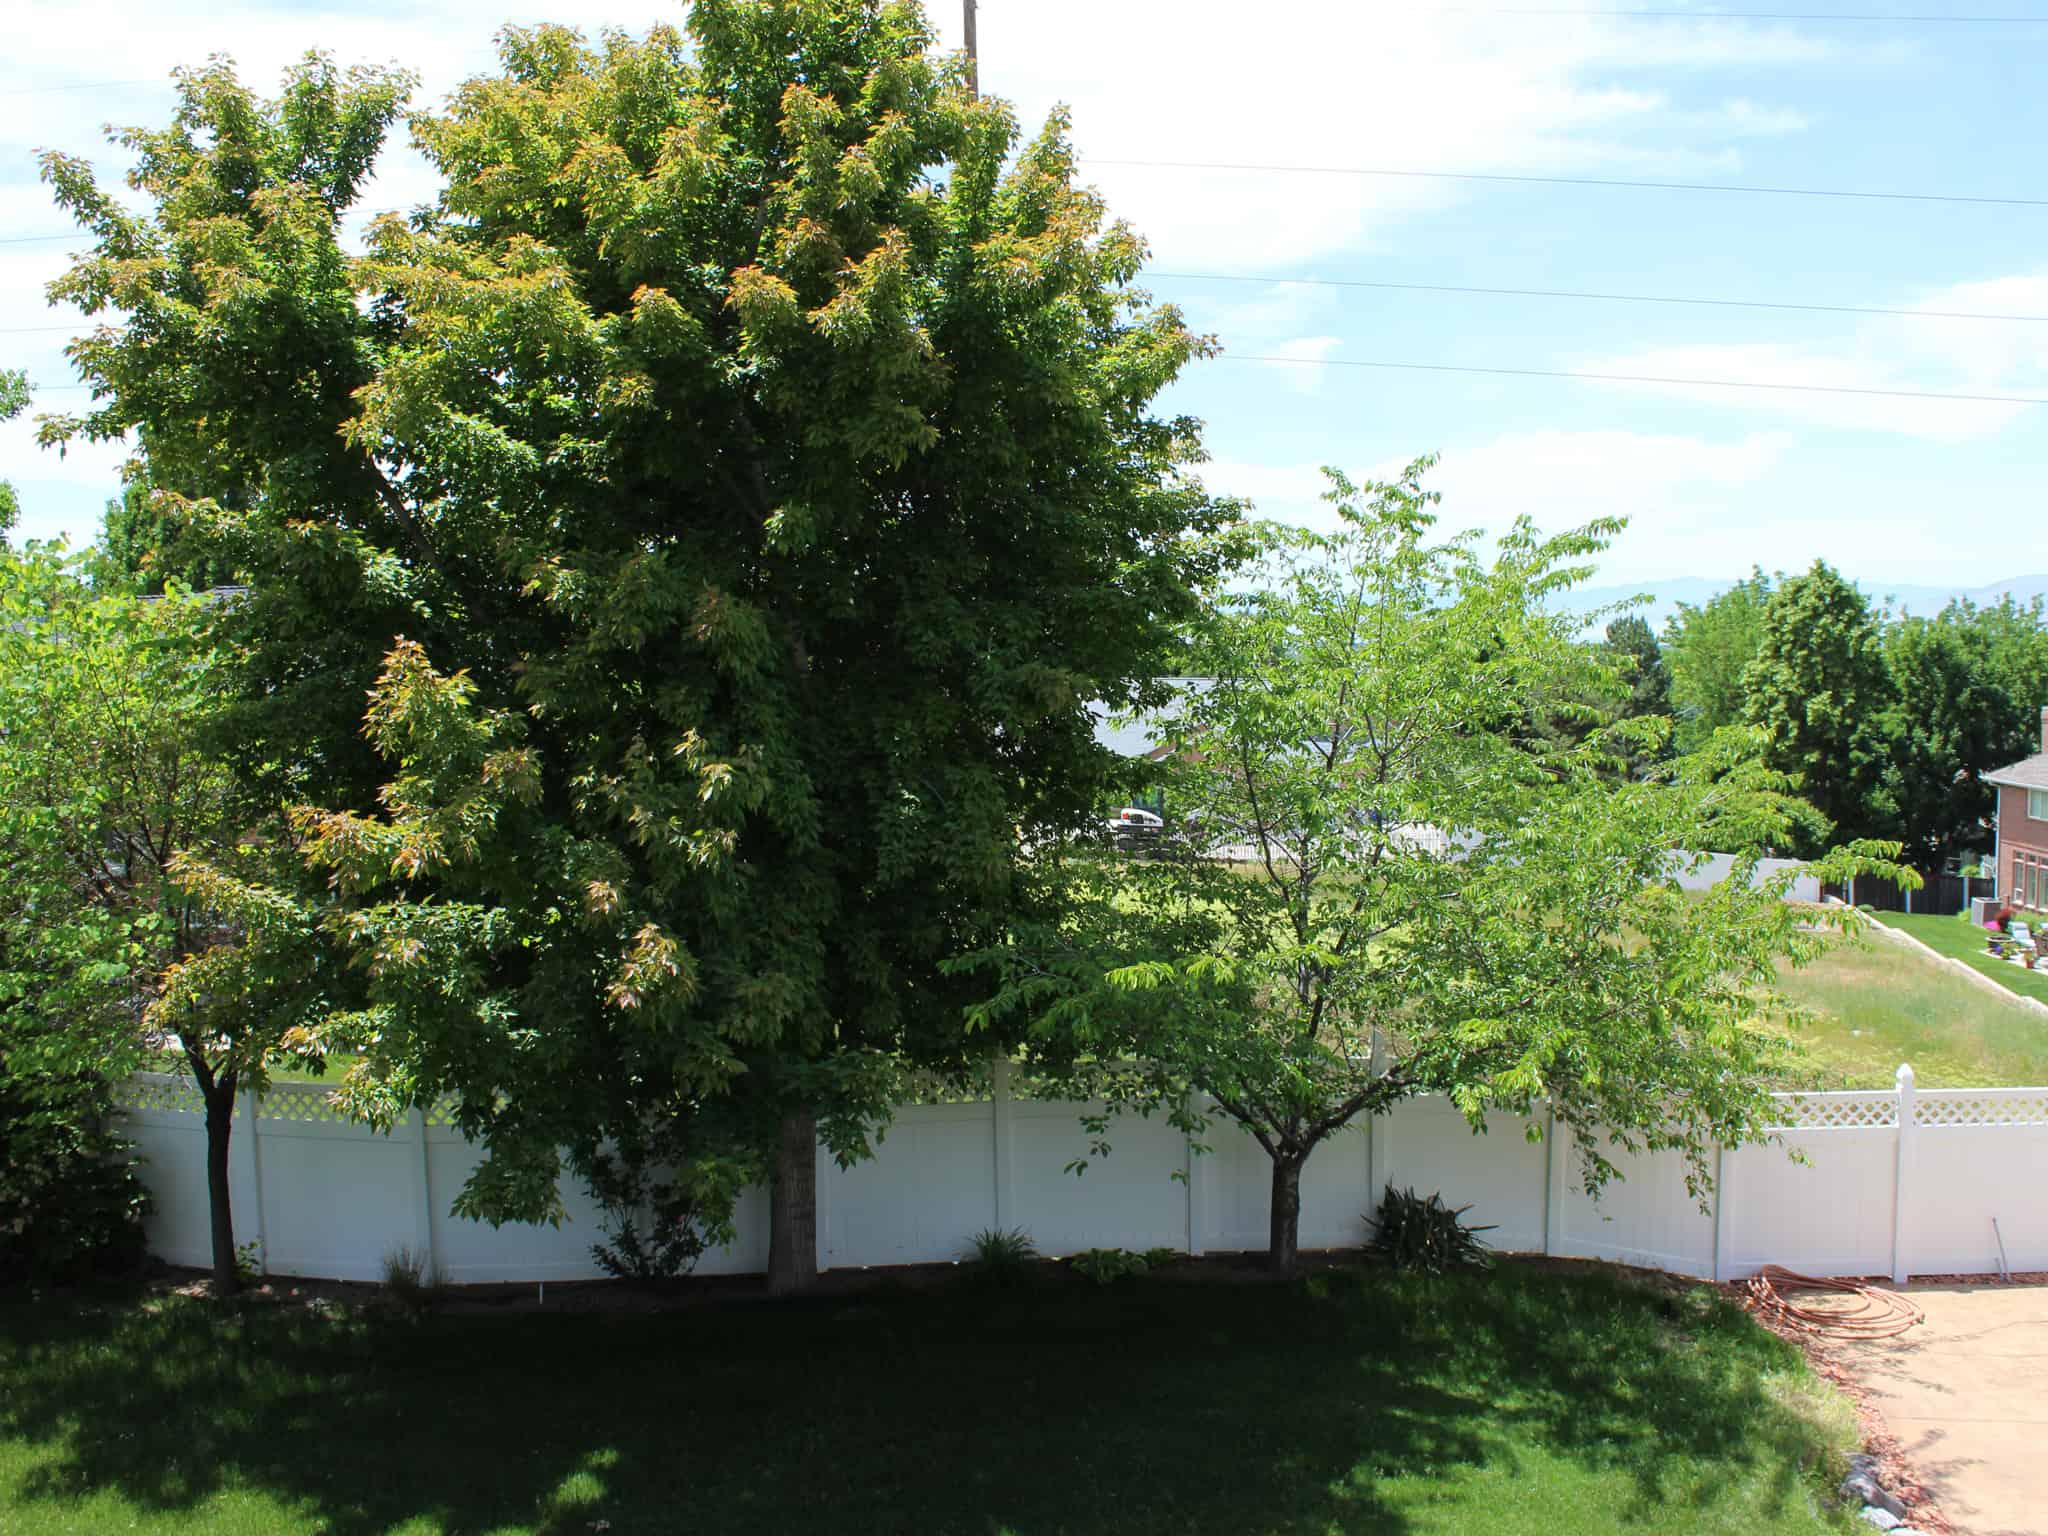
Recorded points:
(1900,596)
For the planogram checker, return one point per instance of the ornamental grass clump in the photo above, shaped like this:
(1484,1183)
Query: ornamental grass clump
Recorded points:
(1423,1234)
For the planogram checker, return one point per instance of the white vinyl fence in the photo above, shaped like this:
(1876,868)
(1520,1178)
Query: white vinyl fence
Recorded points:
(1892,1183)
(1704,871)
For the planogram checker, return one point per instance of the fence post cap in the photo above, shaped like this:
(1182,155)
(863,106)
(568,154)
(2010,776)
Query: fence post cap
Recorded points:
(1905,1074)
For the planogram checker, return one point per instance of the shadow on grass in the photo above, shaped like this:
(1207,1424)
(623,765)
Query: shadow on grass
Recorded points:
(1159,1406)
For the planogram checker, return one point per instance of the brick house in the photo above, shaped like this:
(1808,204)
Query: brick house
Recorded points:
(2021,822)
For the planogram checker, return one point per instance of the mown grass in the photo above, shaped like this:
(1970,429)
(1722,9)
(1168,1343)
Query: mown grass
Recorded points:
(1518,1401)
(1961,939)
(1880,1004)
(285,1069)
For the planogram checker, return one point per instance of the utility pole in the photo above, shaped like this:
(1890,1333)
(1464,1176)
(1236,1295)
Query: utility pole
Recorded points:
(973,56)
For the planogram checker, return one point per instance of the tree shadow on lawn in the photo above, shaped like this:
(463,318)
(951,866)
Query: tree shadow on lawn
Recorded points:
(1149,1407)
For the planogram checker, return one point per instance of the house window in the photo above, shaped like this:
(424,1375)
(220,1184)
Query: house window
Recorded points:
(2029,880)
(2037,805)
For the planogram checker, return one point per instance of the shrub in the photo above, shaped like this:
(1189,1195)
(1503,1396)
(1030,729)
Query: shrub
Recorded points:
(1426,1235)
(1000,1256)
(1106,1266)
(71,1203)
(651,1210)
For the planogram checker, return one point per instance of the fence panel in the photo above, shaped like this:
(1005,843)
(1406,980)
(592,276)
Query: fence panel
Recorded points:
(1832,1216)
(929,1187)
(1129,1199)
(336,1197)
(1646,1217)
(1427,1146)
(1979,1155)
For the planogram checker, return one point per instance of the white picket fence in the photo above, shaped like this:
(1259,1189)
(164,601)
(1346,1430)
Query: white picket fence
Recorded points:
(1892,1183)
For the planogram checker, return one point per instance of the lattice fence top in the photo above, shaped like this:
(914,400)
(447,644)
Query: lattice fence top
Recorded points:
(1839,1111)
(306,1102)
(159,1091)
(940,1088)
(303,1103)
(1989,1106)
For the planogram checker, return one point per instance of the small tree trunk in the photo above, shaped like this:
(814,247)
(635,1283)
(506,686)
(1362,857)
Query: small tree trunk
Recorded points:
(793,1208)
(1283,1250)
(220,1123)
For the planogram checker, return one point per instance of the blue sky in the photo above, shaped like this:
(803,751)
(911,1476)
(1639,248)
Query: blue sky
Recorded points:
(1713,481)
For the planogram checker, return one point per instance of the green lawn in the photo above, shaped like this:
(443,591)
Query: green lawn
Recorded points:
(1960,939)
(1882,1003)
(1522,1401)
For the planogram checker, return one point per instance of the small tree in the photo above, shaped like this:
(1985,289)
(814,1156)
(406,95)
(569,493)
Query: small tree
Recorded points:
(115,944)
(14,397)
(146,542)
(1706,648)
(1389,891)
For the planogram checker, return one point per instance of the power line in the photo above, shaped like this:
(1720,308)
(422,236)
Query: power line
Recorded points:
(1622,298)
(33,330)
(1573,181)
(1633,378)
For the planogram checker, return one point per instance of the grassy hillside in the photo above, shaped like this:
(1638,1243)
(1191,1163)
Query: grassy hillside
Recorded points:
(1882,1003)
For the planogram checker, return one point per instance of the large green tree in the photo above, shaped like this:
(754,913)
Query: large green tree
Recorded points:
(1706,649)
(753,449)
(1945,727)
(1819,690)
(1967,687)
(1375,899)
(2009,641)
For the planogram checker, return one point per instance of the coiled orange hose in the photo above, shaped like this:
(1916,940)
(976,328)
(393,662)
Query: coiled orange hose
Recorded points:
(1878,1313)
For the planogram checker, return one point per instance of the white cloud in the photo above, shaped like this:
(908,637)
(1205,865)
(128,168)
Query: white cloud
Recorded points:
(1365,85)
(1673,486)
(1754,120)
(1926,354)
(1304,378)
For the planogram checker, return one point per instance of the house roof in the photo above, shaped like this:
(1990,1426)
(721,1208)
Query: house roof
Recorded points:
(2027,773)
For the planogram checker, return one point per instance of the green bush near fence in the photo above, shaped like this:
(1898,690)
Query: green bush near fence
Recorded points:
(71,1200)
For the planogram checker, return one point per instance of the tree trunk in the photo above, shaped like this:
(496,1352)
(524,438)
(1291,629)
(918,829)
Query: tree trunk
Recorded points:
(793,1208)
(1283,1248)
(220,1122)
